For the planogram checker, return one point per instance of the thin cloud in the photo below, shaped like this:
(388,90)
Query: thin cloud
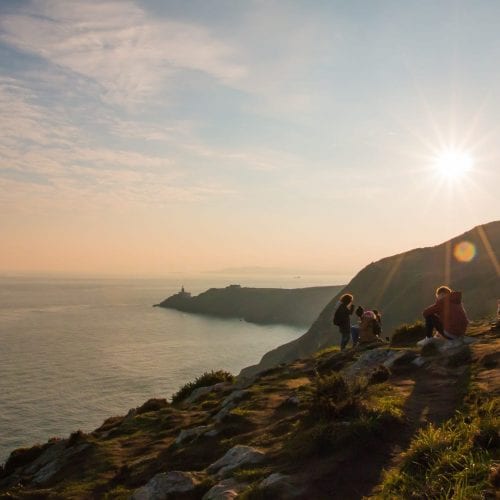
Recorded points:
(117,45)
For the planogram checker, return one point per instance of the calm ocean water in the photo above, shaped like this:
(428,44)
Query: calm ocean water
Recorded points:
(74,352)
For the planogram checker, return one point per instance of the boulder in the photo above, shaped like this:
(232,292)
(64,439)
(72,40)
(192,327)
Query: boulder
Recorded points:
(224,412)
(224,490)
(212,433)
(281,486)
(234,396)
(53,460)
(237,456)
(400,358)
(168,484)
(367,361)
(419,361)
(194,432)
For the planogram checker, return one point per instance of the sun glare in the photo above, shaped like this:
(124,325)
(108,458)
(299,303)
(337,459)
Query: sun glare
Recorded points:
(453,164)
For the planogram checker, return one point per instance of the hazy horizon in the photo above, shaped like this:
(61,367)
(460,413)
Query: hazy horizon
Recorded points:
(145,138)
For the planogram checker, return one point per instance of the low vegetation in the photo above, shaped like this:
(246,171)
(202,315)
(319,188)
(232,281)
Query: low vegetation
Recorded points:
(314,421)
(207,379)
(407,335)
(450,461)
(340,412)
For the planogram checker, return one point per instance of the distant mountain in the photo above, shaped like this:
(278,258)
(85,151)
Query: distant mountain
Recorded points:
(402,285)
(297,307)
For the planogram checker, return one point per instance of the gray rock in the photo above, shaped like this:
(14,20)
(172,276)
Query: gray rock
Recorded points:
(368,360)
(52,461)
(194,432)
(292,401)
(49,455)
(237,456)
(224,412)
(212,433)
(419,361)
(281,485)
(234,396)
(399,357)
(168,483)
(469,340)
(202,391)
(224,490)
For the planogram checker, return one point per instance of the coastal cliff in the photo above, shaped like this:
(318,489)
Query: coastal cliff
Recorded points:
(401,286)
(296,307)
(376,422)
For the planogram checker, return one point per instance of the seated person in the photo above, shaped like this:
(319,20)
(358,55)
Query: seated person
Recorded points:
(369,328)
(447,315)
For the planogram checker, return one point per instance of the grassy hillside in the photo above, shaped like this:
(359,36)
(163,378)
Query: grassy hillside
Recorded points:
(298,307)
(378,422)
(402,285)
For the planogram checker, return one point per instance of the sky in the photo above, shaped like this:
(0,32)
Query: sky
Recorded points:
(151,137)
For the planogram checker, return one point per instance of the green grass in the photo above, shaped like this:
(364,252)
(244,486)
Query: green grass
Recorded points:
(407,335)
(207,379)
(250,475)
(326,351)
(340,413)
(450,461)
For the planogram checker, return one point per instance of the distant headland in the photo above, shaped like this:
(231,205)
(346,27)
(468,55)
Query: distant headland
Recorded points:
(296,307)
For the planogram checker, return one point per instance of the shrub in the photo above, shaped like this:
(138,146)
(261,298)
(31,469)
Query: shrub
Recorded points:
(153,404)
(205,380)
(330,397)
(379,375)
(76,438)
(407,335)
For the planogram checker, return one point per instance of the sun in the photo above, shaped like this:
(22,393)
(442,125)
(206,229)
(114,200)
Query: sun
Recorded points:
(453,163)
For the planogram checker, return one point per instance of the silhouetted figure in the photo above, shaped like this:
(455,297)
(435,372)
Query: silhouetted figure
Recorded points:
(342,318)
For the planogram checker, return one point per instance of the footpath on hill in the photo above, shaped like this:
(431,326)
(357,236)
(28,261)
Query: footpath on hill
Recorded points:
(379,422)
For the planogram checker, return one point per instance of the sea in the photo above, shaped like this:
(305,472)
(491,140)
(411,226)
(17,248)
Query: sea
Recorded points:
(75,351)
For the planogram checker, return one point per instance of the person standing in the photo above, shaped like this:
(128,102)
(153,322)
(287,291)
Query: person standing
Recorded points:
(342,318)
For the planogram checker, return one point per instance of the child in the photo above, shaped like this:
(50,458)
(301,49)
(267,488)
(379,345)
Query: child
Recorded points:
(355,328)
(369,328)
(342,318)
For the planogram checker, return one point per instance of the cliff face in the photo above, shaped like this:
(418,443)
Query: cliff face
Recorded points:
(402,285)
(297,307)
(322,427)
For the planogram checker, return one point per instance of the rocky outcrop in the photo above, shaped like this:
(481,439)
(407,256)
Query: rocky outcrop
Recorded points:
(298,432)
(236,457)
(226,489)
(281,486)
(166,484)
(189,434)
(400,287)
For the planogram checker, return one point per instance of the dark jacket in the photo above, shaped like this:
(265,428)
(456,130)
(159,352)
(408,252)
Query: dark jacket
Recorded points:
(451,312)
(342,317)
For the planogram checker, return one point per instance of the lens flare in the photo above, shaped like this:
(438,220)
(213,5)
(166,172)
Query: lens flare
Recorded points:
(464,251)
